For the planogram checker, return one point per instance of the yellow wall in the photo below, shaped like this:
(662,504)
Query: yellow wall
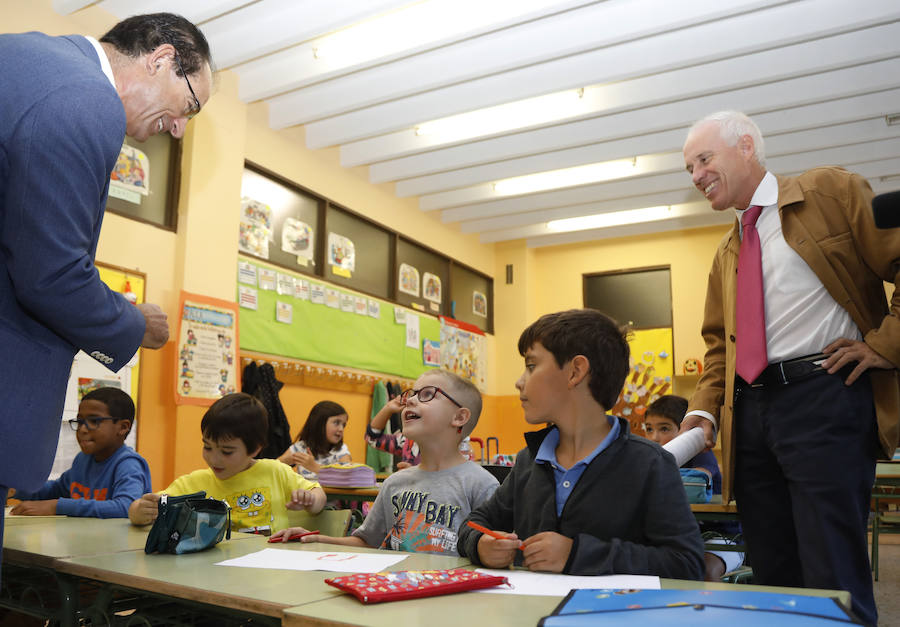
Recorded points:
(201,258)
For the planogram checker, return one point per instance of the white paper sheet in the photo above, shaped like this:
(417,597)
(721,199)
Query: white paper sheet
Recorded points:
(344,562)
(545,584)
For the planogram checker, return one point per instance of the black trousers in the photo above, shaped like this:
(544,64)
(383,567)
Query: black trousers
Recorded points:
(803,480)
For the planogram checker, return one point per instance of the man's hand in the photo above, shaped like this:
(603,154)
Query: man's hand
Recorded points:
(842,352)
(546,551)
(156,333)
(498,552)
(709,432)
(35,508)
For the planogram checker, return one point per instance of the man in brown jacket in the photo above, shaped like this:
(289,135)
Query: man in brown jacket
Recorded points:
(800,438)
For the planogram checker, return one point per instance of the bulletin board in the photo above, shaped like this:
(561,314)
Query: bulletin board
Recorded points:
(343,328)
(87,373)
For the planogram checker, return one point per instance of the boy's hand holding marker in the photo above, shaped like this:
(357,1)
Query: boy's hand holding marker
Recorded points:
(497,549)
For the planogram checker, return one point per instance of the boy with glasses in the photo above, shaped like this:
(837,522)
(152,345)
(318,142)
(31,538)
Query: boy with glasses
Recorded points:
(106,476)
(420,509)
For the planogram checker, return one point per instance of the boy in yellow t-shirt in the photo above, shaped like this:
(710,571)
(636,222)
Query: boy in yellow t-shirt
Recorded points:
(260,491)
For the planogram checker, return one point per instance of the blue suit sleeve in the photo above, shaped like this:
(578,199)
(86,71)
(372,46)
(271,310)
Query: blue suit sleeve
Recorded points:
(60,158)
(52,489)
(131,481)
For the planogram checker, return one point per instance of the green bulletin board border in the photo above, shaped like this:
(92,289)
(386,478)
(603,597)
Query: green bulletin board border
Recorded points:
(331,336)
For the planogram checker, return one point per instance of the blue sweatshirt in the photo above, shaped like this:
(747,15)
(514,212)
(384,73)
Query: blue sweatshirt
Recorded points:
(97,489)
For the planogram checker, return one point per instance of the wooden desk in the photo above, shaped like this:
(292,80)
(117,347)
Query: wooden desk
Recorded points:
(42,540)
(887,474)
(193,577)
(473,608)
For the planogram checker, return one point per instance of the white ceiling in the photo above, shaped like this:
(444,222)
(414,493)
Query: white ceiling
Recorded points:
(818,76)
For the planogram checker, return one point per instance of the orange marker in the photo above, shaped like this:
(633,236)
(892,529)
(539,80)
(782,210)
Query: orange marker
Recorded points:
(493,534)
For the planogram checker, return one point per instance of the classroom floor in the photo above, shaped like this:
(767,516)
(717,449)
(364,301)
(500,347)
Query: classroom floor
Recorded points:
(887,588)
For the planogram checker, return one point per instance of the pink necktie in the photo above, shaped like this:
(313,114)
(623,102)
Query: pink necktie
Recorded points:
(751,309)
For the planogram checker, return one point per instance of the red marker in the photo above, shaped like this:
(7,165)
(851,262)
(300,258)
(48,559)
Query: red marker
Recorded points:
(295,537)
(493,534)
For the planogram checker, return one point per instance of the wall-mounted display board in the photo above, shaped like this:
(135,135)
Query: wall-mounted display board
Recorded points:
(423,278)
(472,297)
(144,184)
(279,223)
(358,253)
(291,227)
(289,314)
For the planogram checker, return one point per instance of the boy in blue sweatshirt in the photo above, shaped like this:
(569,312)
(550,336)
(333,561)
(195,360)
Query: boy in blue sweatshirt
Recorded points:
(106,475)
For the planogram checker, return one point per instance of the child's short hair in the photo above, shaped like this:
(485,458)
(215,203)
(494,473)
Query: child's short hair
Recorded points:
(585,332)
(313,431)
(669,406)
(117,402)
(464,392)
(238,416)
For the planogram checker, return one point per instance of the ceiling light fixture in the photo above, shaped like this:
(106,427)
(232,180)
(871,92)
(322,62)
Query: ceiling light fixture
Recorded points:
(505,117)
(568,177)
(612,218)
(414,26)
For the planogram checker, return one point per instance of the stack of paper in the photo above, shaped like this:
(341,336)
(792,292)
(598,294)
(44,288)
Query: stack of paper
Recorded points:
(347,476)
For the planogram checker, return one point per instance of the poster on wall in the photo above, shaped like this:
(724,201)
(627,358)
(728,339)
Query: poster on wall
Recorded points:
(409,280)
(130,178)
(255,227)
(463,350)
(479,304)
(297,238)
(341,255)
(207,354)
(431,287)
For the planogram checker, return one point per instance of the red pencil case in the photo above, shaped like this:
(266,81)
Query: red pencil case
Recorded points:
(412,584)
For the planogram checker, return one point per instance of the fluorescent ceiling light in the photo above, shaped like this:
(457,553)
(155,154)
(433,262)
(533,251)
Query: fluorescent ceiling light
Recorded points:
(613,218)
(568,177)
(505,117)
(415,26)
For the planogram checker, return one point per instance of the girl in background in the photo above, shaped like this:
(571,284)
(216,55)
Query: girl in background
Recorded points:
(320,442)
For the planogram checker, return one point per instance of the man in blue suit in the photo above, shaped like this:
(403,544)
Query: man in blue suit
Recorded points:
(67,104)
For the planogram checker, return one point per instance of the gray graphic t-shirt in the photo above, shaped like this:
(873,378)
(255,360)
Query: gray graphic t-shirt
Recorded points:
(420,511)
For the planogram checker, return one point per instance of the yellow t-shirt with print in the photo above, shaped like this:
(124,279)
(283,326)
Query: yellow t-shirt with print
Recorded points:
(258,496)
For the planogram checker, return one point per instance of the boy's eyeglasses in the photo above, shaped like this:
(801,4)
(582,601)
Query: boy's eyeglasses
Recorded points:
(196,108)
(426,393)
(92,423)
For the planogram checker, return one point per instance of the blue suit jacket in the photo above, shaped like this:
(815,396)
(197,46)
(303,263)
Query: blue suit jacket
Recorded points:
(61,127)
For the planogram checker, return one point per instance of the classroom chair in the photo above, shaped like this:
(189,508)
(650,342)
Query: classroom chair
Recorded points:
(330,522)
(885,521)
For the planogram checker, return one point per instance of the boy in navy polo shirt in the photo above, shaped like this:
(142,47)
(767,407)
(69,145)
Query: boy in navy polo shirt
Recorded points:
(586,497)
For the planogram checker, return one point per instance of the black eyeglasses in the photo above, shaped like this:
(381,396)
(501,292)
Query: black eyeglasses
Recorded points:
(426,393)
(196,108)
(91,422)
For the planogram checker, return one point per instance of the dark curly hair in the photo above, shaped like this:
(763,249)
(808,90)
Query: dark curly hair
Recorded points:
(140,34)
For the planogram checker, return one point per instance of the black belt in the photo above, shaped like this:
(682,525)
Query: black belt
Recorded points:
(789,371)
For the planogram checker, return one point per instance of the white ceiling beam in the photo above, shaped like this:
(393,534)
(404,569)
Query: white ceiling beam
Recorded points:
(265,28)
(777,107)
(817,138)
(197,11)
(535,224)
(561,35)
(297,67)
(584,69)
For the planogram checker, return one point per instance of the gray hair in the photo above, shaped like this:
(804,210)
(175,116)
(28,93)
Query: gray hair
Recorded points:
(732,126)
